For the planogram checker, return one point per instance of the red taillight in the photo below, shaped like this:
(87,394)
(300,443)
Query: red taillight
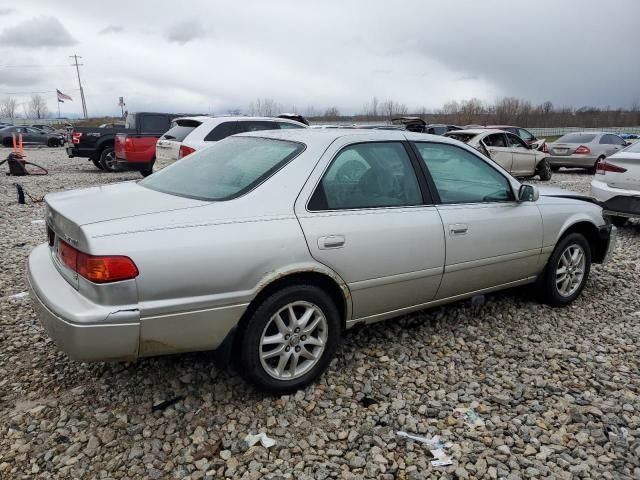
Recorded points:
(184,151)
(97,268)
(582,150)
(75,137)
(545,149)
(603,167)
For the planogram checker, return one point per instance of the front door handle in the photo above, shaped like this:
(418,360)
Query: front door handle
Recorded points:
(331,241)
(458,228)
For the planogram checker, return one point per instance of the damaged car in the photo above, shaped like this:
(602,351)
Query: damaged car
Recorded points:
(266,246)
(507,150)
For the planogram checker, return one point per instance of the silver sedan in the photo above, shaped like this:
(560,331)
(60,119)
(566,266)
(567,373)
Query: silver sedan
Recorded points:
(583,149)
(269,245)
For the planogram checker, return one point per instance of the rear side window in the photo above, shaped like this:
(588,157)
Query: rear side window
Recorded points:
(153,123)
(462,177)
(257,125)
(368,175)
(577,138)
(224,130)
(611,140)
(224,170)
(495,140)
(130,122)
(178,132)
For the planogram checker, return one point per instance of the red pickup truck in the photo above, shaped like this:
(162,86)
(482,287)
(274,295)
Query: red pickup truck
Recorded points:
(136,148)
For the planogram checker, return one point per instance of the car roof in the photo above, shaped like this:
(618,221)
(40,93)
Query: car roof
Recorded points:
(319,136)
(476,131)
(205,119)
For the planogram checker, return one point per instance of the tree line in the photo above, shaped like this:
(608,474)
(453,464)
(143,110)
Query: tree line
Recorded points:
(36,107)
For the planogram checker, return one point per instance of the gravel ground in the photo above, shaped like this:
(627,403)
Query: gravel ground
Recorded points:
(556,391)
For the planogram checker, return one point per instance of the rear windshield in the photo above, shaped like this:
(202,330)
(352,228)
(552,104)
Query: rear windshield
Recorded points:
(180,129)
(463,137)
(577,138)
(225,170)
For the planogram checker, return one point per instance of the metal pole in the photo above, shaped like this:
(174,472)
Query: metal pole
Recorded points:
(77,65)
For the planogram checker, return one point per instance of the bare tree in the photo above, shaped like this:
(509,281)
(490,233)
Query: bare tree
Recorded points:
(332,113)
(264,107)
(38,107)
(8,108)
(371,109)
(390,109)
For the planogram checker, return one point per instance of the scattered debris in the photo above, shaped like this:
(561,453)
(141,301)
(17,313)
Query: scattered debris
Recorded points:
(366,402)
(37,221)
(469,415)
(264,440)
(436,448)
(19,295)
(166,404)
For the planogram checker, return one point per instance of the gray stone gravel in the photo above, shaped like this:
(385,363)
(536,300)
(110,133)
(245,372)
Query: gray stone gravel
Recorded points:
(558,389)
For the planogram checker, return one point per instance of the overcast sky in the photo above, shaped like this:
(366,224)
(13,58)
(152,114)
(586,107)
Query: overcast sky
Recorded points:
(205,56)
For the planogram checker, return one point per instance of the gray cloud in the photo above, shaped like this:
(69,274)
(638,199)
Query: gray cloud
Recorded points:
(185,31)
(111,29)
(6,11)
(17,77)
(43,31)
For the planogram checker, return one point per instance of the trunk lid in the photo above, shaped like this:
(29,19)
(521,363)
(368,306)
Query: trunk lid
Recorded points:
(627,180)
(560,149)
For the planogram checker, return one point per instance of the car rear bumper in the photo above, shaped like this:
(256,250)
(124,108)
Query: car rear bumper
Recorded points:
(578,161)
(82,329)
(616,201)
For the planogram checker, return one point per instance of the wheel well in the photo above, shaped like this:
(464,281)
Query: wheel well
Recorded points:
(320,280)
(103,145)
(592,234)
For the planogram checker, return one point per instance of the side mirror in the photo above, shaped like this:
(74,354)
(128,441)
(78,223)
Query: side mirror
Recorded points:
(528,193)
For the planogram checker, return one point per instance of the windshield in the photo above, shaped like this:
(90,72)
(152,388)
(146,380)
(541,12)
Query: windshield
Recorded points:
(225,170)
(576,138)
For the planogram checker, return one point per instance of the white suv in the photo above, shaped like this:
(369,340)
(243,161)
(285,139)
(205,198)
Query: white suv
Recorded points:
(188,134)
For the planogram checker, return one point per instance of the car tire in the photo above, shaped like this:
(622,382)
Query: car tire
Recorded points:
(593,169)
(278,372)
(543,170)
(566,273)
(555,169)
(97,163)
(7,142)
(619,221)
(108,159)
(148,169)
(52,142)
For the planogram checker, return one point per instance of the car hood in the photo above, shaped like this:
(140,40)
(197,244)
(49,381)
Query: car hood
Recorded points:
(112,202)
(562,193)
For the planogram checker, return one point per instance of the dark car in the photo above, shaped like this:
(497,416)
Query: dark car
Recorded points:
(30,136)
(440,128)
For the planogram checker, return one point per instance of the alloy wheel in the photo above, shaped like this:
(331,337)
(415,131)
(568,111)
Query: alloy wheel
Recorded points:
(570,270)
(293,340)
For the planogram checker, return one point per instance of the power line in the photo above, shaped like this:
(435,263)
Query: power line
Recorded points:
(77,65)
(31,66)
(33,93)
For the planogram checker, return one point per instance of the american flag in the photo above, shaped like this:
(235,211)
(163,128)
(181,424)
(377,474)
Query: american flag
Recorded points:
(121,101)
(62,97)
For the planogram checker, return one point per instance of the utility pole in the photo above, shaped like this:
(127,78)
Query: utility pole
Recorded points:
(76,64)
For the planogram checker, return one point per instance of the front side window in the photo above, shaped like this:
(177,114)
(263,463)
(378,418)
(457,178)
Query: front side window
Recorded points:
(495,140)
(257,125)
(515,141)
(225,170)
(462,177)
(368,175)
(285,125)
(525,135)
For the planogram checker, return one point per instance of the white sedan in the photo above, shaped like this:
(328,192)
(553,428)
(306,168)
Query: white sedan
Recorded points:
(617,184)
(507,150)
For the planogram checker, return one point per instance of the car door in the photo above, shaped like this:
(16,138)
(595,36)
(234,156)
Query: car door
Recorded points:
(369,220)
(35,135)
(499,150)
(524,159)
(491,240)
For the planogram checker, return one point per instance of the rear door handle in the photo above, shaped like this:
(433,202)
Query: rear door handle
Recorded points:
(458,228)
(331,241)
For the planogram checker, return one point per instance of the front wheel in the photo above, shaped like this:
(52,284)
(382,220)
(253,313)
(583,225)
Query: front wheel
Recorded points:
(97,163)
(544,170)
(52,142)
(147,169)
(595,165)
(290,339)
(567,270)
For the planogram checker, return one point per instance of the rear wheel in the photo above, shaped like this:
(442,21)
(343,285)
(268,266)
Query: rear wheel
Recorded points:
(567,270)
(147,169)
(595,165)
(543,170)
(97,163)
(108,160)
(290,339)
(619,221)
(555,169)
